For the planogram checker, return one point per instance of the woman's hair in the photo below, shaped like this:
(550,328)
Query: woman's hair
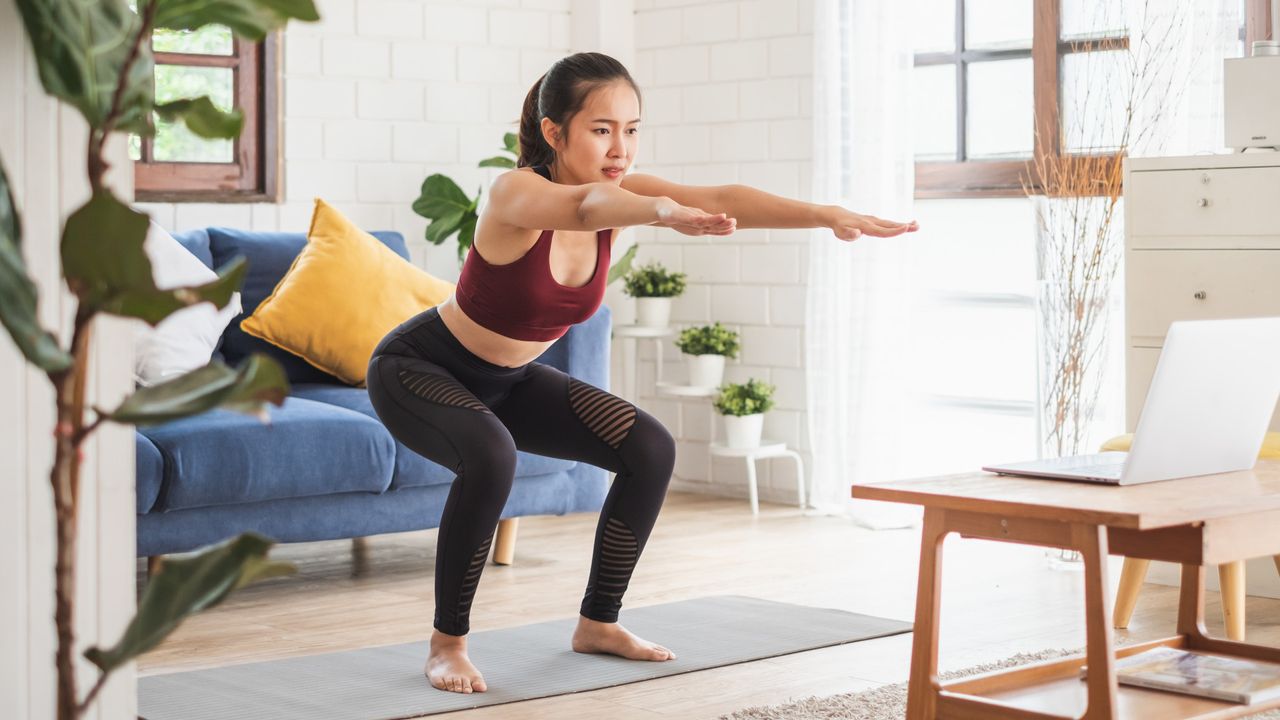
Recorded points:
(560,94)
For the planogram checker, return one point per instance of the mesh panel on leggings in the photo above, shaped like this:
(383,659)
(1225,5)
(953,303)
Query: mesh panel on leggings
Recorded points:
(440,389)
(609,416)
(469,582)
(618,554)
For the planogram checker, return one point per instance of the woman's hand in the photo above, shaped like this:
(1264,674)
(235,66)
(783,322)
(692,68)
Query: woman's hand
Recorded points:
(848,225)
(691,220)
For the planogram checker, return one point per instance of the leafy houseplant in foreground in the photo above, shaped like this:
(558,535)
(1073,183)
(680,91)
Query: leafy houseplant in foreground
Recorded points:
(743,406)
(96,57)
(706,348)
(653,286)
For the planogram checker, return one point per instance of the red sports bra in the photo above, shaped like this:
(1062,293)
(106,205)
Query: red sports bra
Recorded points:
(522,300)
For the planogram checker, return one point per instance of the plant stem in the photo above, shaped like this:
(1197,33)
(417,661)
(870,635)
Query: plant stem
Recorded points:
(97,165)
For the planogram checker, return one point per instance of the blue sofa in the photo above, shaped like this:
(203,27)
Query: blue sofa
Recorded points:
(325,467)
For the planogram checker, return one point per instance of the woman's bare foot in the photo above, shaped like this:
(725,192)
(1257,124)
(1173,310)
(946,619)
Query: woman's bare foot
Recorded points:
(593,636)
(449,668)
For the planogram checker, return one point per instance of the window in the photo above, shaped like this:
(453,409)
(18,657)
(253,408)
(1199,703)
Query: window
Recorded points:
(177,165)
(994,79)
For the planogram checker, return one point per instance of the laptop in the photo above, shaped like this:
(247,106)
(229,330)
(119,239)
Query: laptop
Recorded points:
(1207,411)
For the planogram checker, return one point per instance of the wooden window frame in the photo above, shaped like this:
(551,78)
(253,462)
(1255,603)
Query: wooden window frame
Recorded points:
(1003,178)
(253,176)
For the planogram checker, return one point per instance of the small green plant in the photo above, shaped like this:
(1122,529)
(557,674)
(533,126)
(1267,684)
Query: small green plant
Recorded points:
(753,396)
(450,210)
(653,280)
(709,340)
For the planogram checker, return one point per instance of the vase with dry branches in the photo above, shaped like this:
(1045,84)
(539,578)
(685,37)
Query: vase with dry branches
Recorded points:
(1114,104)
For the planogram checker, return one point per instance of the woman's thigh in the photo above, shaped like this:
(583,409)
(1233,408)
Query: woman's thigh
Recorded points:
(426,408)
(553,414)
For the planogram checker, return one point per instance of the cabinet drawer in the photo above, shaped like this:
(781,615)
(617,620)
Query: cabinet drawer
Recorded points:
(1167,285)
(1140,368)
(1210,202)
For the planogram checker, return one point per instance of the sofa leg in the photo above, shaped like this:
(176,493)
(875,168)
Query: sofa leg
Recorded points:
(153,565)
(504,545)
(359,556)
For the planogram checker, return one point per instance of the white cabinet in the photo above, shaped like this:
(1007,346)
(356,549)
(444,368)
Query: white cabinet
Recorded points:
(1202,241)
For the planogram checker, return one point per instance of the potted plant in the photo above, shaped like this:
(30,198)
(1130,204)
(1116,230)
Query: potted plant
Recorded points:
(96,57)
(653,286)
(743,406)
(705,349)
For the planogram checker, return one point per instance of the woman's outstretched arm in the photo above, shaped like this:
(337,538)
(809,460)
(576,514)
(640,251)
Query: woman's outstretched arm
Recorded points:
(754,208)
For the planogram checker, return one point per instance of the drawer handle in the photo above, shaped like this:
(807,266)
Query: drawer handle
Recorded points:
(1202,202)
(1200,295)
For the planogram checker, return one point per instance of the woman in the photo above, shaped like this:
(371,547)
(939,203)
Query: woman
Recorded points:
(458,383)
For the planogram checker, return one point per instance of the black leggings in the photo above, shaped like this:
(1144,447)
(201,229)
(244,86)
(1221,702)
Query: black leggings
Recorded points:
(470,415)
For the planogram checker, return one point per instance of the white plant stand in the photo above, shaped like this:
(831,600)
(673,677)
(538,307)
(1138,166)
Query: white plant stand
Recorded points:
(766,449)
(634,334)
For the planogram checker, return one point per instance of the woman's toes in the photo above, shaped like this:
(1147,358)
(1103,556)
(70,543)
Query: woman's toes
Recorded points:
(478,685)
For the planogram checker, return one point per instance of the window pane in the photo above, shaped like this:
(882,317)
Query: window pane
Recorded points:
(1095,93)
(173,142)
(997,24)
(936,31)
(934,97)
(1094,18)
(208,40)
(1000,109)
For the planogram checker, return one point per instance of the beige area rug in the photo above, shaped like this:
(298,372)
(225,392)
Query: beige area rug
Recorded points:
(889,702)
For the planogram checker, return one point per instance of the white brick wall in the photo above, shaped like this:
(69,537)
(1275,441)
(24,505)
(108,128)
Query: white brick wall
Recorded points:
(376,98)
(727,99)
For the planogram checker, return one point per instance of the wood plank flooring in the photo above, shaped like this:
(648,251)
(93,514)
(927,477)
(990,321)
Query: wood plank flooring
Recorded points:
(998,599)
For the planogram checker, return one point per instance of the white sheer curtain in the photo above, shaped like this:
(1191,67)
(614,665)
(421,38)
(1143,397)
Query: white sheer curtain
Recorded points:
(857,309)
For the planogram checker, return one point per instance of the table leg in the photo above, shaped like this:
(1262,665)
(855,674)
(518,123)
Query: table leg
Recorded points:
(1091,540)
(922,688)
(1231,580)
(751,485)
(1191,604)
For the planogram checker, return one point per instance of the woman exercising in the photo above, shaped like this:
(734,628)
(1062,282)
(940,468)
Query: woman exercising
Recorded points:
(458,382)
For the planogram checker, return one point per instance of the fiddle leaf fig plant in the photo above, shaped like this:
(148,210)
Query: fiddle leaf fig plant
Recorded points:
(95,56)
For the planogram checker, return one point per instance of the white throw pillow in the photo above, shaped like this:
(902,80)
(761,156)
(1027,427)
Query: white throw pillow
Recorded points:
(186,339)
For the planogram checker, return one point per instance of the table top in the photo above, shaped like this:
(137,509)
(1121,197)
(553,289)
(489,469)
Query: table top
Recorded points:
(1166,503)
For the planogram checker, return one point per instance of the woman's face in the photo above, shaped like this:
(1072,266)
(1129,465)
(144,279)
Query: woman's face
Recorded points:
(601,137)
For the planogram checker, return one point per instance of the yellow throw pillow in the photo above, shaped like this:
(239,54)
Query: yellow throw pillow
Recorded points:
(343,293)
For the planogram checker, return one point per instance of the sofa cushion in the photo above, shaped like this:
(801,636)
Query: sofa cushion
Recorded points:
(411,469)
(149,472)
(270,254)
(307,448)
(344,292)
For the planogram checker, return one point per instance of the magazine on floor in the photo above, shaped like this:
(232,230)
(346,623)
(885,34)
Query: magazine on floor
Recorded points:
(1232,679)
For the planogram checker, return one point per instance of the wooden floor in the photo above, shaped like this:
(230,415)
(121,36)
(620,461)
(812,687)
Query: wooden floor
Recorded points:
(999,599)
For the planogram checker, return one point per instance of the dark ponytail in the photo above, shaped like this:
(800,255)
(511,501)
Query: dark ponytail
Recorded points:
(560,94)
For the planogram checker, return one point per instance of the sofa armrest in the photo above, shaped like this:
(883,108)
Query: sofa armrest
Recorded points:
(583,351)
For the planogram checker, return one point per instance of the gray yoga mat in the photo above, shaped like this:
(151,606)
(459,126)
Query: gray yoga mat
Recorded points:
(519,663)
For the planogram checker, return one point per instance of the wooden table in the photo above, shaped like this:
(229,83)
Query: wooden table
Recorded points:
(1211,519)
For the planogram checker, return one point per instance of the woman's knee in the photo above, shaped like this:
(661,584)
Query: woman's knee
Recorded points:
(488,449)
(651,446)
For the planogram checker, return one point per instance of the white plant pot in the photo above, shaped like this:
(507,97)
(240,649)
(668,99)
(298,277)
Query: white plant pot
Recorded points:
(743,431)
(705,370)
(653,311)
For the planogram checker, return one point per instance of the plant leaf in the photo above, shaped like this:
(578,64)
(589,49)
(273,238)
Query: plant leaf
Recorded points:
(623,265)
(251,19)
(106,267)
(498,161)
(512,143)
(444,226)
(203,118)
(81,49)
(258,380)
(187,585)
(440,196)
(18,297)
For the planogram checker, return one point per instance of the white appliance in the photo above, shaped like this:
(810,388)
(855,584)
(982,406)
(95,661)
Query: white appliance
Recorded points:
(1213,394)
(1251,93)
